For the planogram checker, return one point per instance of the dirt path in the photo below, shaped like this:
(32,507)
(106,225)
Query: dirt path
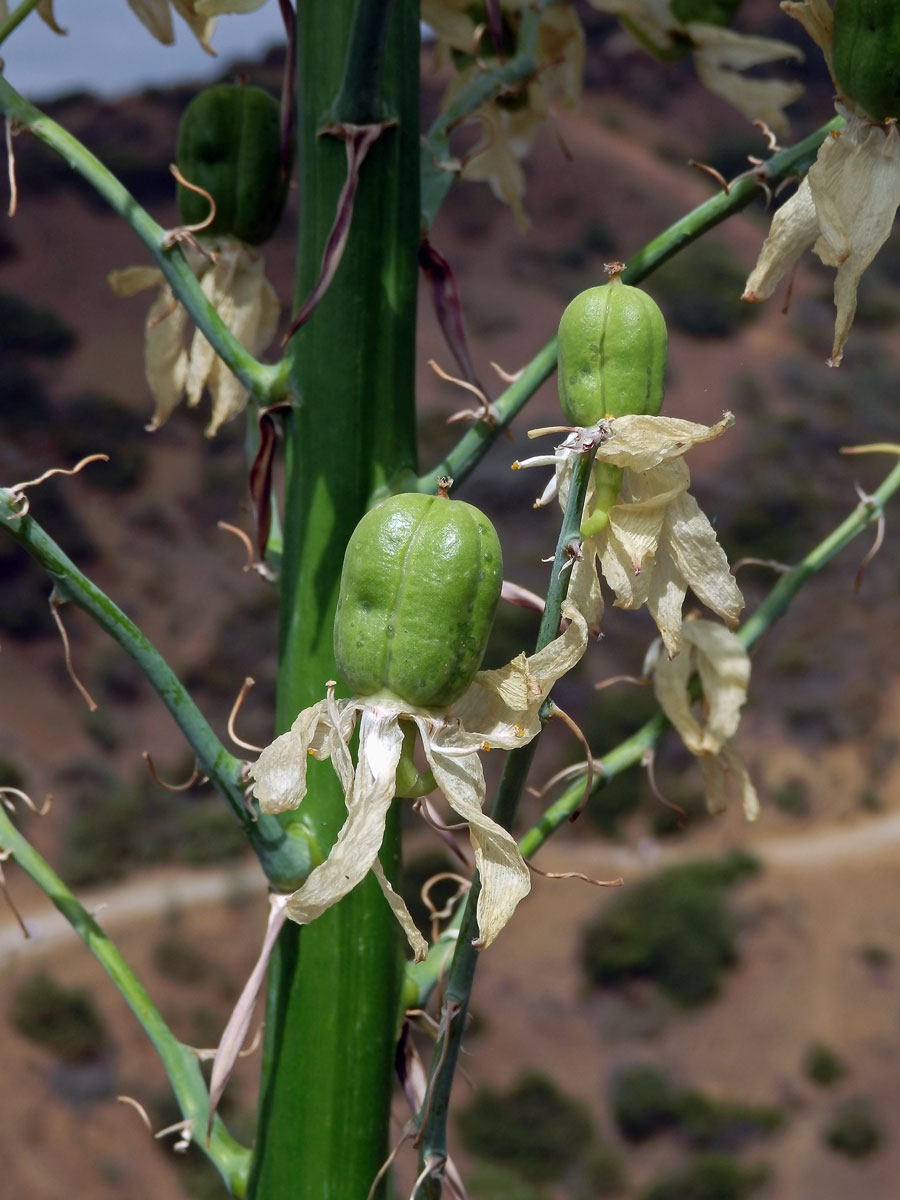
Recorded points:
(136,901)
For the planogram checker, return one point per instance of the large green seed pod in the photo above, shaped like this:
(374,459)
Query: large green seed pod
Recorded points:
(710,12)
(419,587)
(229,144)
(865,55)
(612,354)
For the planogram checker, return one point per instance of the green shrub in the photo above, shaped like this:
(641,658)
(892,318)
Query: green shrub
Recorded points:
(533,1129)
(62,1020)
(723,1124)
(616,714)
(24,404)
(24,588)
(854,1129)
(700,291)
(27,330)
(793,798)
(102,830)
(10,774)
(602,1172)
(643,1102)
(822,1066)
(710,1177)
(95,424)
(52,506)
(875,956)
(488,1181)
(676,928)
(206,832)
(113,826)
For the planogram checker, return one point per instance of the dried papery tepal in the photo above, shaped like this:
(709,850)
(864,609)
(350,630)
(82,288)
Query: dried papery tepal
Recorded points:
(845,208)
(44,10)
(420,582)
(708,725)
(231,195)
(670,29)
(656,541)
(233,279)
(639,523)
(510,121)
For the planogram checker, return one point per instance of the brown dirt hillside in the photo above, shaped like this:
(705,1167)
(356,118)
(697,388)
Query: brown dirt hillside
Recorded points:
(819,947)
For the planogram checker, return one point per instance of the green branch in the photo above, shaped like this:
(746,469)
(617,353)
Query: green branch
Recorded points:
(437,176)
(285,854)
(266,382)
(477,440)
(433,1145)
(181,1063)
(630,752)
(15,18)
(422,978)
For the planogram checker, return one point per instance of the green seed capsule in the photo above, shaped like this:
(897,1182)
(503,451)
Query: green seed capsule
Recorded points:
(711,12)
(229,144)
(865,55)
(612,354)
(419,588)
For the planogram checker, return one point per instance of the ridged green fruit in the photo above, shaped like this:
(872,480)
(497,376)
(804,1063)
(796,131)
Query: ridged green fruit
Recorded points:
(419,588)
(612,354)
(711,12)
(865,55)
(229,144)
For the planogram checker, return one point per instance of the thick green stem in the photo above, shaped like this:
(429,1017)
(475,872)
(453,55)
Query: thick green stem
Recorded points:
(334,988)
(475,442)
(433,1145)
(286,855)
(180,1062)
(267,383)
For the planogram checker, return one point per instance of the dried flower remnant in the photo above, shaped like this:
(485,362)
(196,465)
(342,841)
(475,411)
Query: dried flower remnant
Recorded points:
(499,710)
(510,121)
(233,279)
(721,56)
(845,207)
(656,542)
(708,726)
(156,17)
(44,10)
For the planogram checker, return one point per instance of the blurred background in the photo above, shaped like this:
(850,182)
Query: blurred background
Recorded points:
(725,1025)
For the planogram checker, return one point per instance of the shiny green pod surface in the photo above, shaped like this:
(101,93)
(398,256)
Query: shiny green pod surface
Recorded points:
(612,354)
(229,144)
(419,588)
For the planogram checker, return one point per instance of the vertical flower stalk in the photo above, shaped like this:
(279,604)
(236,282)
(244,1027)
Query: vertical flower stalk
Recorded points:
(334,986)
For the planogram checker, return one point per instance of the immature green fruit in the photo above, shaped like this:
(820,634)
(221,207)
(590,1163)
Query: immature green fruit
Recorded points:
(229,144)
(612,354)
(865,55)
(419,587)
(711,12)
